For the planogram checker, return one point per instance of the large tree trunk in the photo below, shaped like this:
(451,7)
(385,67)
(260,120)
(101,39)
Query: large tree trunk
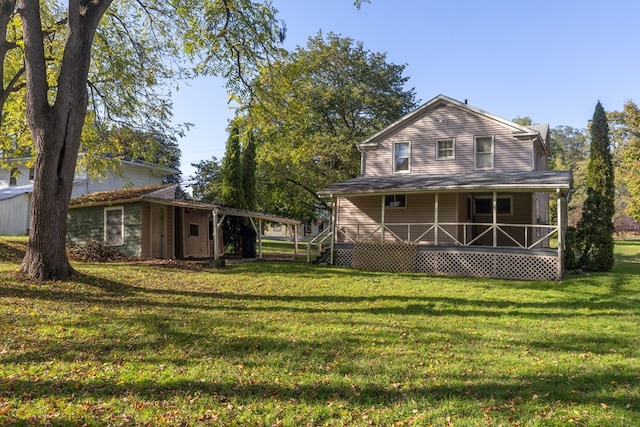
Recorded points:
(56,131)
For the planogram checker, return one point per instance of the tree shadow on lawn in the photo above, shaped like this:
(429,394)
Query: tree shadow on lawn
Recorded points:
(503,397)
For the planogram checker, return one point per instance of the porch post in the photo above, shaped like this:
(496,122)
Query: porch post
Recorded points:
(259,230)
(382,220)
(295,239)
(334,226)
(560,225)
(494,204)
(435,220)
(216,245)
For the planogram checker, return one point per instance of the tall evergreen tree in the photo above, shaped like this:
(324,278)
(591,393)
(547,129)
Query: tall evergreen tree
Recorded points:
(249,172)
(231,189)
(232,192)
(595,228)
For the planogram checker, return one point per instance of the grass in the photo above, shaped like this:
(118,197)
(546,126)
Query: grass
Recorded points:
(290,344)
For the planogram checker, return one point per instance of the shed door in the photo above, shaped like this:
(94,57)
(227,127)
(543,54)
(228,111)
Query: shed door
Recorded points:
(158,241)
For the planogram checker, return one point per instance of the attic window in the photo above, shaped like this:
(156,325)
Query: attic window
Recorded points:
(401,156)
(445,149)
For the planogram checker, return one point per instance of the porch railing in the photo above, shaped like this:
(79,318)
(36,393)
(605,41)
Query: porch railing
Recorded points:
(525,236)
(318,241)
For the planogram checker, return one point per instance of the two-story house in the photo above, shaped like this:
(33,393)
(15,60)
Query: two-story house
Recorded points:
(16,187)
(454,190)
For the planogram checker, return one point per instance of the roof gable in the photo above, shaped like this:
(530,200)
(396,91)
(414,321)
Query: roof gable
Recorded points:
(434,104)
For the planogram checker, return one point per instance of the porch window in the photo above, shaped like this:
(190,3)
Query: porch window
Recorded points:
(395,201)
(445,149)
(401,156)
(482,205)
(114,226)
(483,152)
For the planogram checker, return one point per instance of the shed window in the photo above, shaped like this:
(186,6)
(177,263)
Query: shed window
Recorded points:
(483,152)
(445,149)
(401,156)
(395,201)
(114,226)
(193,229)
(482,206)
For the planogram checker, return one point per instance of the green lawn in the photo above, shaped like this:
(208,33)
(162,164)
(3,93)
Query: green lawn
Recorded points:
(290,344)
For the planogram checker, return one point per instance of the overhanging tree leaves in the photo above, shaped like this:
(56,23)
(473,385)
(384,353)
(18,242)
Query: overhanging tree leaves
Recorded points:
(595,228)
(57,96)
(312,107)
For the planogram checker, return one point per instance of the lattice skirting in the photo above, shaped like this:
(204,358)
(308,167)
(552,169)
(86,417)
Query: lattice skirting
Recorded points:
(450,262)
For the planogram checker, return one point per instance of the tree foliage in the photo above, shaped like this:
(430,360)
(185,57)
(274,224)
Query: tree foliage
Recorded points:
(206,182)
(231,189)
(595,228)
(249,171)
(311,108)
(570,151)
(137,47)
(627,143)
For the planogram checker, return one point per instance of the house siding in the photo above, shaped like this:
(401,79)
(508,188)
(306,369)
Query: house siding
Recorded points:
(15,215)
(85,225)
(446,121)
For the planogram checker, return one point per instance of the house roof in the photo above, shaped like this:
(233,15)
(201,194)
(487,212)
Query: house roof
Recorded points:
(518,130)
(154,194)
(476,181)
(15,191)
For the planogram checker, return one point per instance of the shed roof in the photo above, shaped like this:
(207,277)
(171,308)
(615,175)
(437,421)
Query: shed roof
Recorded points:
(476,181)
(150,194)
(15,191)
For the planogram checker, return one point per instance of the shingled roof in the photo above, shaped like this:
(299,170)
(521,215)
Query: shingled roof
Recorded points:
(477,181)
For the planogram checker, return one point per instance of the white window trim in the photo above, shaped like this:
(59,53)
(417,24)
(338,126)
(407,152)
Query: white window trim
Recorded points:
(453,147)
(106,240)
(394,157)
(197,228)
(497,198)
(475,152)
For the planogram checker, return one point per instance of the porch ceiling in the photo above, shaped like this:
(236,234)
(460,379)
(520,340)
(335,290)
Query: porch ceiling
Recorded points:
(530,181)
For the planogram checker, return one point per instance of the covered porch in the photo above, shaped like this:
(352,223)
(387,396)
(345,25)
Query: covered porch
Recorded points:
(480,224)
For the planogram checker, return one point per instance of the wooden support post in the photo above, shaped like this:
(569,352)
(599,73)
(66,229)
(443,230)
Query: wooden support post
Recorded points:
(334,226)
(494,204)
(435,219)
(382,219)
(295,239)
(560,224)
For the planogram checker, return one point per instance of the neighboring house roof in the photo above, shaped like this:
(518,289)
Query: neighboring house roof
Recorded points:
(477,181)
(518,130)
(11,192)
(153,194)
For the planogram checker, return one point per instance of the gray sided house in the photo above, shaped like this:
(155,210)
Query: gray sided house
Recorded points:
(453,190)
(16,187)
(149,222)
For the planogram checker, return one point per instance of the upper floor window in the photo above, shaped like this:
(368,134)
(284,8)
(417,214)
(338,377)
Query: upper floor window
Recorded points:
(445,149)
(13,177)
(401,156)
(114,226)
(32,173)
(483,152)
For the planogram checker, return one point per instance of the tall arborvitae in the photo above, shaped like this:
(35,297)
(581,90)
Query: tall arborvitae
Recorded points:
(595,228)
(232,192)
(231,189)
(249,172)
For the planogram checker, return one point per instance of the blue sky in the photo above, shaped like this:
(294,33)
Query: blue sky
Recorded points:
(551,60)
